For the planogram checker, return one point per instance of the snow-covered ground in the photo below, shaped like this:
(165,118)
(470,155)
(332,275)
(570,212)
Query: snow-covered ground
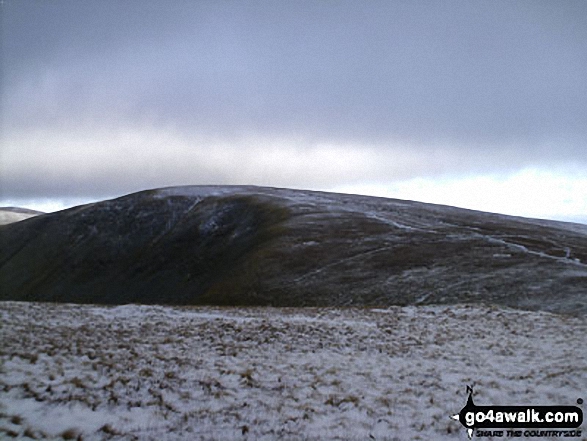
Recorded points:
(152,372)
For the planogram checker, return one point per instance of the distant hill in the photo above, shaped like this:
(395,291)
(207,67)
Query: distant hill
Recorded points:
(9,215)
(264,246)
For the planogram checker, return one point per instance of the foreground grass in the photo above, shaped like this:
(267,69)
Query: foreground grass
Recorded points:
(149,372)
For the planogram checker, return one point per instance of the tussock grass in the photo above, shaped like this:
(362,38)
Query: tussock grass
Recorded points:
(314,373)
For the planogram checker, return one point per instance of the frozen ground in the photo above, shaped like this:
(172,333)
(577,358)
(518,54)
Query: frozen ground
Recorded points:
(151,372)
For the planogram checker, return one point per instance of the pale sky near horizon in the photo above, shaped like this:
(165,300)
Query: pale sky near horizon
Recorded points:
(477,104)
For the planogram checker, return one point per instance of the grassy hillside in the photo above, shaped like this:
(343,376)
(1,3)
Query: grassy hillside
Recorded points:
(262,246)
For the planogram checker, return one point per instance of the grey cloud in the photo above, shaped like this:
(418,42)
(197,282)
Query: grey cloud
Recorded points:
(489,78)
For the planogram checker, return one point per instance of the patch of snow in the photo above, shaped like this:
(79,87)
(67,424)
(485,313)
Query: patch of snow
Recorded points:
(391,222)
(524,249)
(9,217)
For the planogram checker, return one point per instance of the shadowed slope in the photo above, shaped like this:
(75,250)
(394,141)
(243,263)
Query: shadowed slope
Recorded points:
(263,246)
(138,248)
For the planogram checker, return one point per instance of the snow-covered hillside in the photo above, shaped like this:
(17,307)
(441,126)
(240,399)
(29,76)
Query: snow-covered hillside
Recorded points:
(9,215)
(171,373)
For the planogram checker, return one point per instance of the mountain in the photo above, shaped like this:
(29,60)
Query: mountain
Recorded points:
(263,246)
(9,215)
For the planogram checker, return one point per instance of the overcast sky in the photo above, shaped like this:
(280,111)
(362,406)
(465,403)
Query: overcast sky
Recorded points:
(480,104)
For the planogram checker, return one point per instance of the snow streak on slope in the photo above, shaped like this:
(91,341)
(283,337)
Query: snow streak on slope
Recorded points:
(171,373)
